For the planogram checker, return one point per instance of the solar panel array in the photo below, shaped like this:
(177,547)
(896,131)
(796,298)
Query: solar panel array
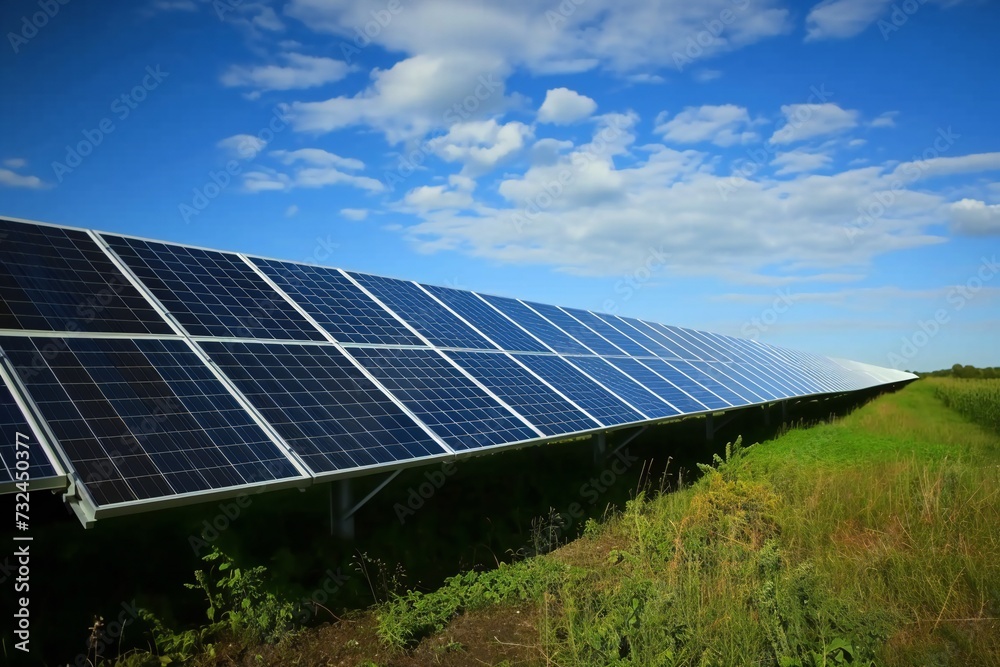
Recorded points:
(157,374)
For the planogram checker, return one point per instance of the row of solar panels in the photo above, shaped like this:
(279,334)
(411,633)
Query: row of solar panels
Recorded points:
(150,373)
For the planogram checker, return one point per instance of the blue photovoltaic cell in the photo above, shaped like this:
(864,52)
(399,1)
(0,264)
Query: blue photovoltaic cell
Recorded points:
(643,338)
(631,391)
(574,328)
(608,332)
(484,317)
(583,391)
(461,413)
(422,313)
(542,329)
(212,293)
(144,419)
(688,384)
(547,410)
(340,307)
(54,279)
(663,387)
(707,381)
(322,405)
(718,351)
(726,374)
(674,348)
(12,422)
(771,372)
(688,341)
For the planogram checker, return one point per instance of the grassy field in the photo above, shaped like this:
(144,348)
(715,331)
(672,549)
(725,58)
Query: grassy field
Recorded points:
(873,539)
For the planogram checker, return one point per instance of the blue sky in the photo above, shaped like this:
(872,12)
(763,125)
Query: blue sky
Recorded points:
(822,176)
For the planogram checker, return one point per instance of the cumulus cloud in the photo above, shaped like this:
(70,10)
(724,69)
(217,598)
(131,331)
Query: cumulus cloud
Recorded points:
(15,162)
(799,161)
(563,106)
(805,121)
(838,19)
(723,125)
(480,145)
(299,71)
(975,218)
(411,98)
(354,213)
(242,146)
(887,119)
(311,168)
(12,179)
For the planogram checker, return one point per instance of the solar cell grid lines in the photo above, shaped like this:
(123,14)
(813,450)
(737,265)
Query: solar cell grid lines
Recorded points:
(461,413)
(20,451)
(54,279)
(594,343)
(145,418)
(664,387)
(337,304)
(622,385)
(487,319)
(543,407)
(432,320)
(623,342)
(329,412)
(212,293)
(556,339)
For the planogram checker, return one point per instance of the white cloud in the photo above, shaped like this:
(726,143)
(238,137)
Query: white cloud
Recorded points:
(805,121)
(15,162)
(311,168)
(299,71)
(723,125)
(318,157)
(11,179)
(799,161)
(436,197)
(975,218)
(291,211)
(706,75)
(480,145)
(645,77)
(887,119)
(838,19)
(563,106)
(412,97)
(948,166)
(354,213)
(634,35)
(242,146)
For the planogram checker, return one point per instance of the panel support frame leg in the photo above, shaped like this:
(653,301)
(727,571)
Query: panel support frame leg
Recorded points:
(341,517)
(600,447)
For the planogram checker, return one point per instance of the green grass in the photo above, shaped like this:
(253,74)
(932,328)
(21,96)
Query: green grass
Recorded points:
(873,539)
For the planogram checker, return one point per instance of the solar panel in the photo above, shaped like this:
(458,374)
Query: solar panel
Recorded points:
(694,370)
(690,386)
(662,387)
(487,319)
(144,419)
(732,375)
(454,407)
(580,389)
(333,416)
(640,332)
(20,451)
(631,391)
(698,350)
(668,340)
(212,293)
(555,338)
(559,317)
(340,307)
(54,279)
(421,312)
(543,407)
(648,346)
(609,333)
